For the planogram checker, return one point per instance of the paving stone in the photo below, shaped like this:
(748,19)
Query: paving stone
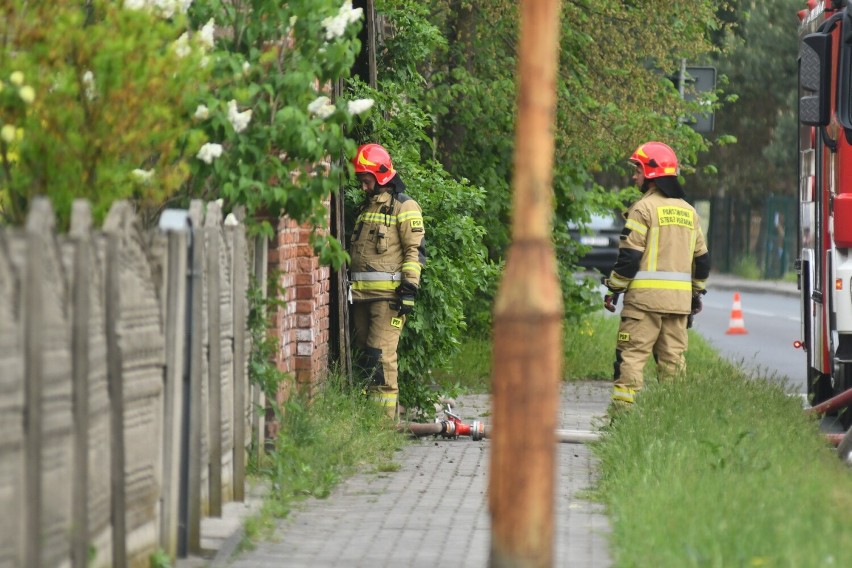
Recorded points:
(434,510)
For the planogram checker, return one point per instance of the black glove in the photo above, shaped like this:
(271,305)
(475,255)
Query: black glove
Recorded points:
(405,301)
(697,305)
(610,301)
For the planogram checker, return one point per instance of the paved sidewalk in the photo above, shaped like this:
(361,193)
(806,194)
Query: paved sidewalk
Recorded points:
(433,510)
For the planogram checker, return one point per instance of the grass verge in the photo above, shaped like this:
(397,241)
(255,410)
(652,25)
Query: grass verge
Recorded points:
(470,368)
(713,470)
(721,470)
(320,442)
(589,351)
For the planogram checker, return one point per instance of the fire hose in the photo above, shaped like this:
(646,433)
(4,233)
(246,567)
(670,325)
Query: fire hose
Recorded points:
(835,403)
(453,427)
(843,442)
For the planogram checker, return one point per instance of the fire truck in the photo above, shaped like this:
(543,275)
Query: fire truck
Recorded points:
(824,265)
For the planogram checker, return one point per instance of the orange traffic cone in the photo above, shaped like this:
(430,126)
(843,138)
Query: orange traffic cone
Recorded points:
(736,327)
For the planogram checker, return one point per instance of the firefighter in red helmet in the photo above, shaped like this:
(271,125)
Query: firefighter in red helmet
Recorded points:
(662,268)
(388,253)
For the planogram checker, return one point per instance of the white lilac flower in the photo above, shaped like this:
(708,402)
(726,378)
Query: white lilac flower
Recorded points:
(318,103)
(293,20)
(202,112)
(16,78)
(239,120)
(27,94)
(204,62)
(182,48)
(246,67)
(143,176)
(166,8)
(163,8)
(207,34)
(335,26)
(326,111)
(231,220)
(322,107)
(89,83)
(353,15)
(7,133)
(209,152)
(359,105)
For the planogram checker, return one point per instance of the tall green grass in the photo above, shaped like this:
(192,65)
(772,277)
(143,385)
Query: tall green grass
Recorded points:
(470,368)
(588,354)
(320,442)
(718,469)
(589,348)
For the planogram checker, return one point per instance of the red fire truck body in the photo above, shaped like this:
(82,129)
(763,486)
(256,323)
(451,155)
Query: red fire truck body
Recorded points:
(825,197)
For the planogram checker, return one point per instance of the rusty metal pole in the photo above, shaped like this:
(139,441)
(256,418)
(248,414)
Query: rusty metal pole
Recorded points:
(528,318)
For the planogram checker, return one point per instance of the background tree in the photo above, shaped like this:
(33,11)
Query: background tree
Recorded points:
(458,271)
(94,98)
(160,101)
(268,107)
(614,91)
(759,63)
(454,63)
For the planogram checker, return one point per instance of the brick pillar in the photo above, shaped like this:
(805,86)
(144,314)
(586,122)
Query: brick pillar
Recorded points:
(302,323)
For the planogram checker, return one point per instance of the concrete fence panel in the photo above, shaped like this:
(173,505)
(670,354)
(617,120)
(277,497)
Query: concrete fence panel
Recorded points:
(141,342)
(220,359)
(125,406)
(48,424)
(92,528)
(12,456)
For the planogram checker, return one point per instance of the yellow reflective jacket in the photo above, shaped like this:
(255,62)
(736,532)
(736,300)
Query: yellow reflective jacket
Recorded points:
(387,246)
(661,241)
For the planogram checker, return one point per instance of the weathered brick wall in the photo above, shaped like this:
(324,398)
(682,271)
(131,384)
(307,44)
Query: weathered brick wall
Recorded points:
(302,323)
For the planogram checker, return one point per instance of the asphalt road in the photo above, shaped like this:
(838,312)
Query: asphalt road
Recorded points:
(772,323)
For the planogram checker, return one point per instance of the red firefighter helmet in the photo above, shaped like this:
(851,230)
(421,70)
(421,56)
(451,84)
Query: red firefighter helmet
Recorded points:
(374,159)
(656,160)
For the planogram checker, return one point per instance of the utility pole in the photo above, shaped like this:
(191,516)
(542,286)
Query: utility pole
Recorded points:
(527,350)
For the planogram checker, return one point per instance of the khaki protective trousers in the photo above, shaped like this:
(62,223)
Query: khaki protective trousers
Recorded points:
(376,337)
(640,334)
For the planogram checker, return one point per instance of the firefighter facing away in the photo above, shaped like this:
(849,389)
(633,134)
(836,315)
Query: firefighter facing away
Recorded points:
(662,268)
(388,253)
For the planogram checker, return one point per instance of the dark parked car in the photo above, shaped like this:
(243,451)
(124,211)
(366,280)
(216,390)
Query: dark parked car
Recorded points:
(601,234)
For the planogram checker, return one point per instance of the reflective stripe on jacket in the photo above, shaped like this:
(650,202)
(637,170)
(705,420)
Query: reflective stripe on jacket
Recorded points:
(667,233)
(387,246)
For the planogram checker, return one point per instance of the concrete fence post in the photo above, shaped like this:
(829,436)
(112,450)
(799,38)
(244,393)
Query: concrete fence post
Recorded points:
(116,395)
(81,227)
(175,295)
(214,362)
(240,376)
(196,376)
(33,320)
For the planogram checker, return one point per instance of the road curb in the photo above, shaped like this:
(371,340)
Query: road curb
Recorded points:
(789,289)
